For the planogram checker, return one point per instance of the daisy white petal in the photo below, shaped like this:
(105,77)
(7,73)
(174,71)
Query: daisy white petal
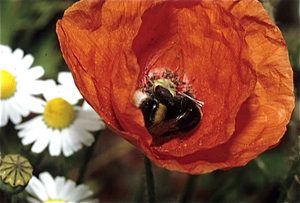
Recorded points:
(73,140)
(14,115)
(89,115)
(35,87)
(51,88)
(65,78)
(80,192)
(35,105)
(76,145)
(68,187)
(70,94)
(88,124)
(33,200)
(31,130)
(60,184)
(49,184)
(42,142)
(29,103)
(86,138)
(67,82)
(34,73)
(4,114)
(33,123)
(16,107)
(36,189)
(66,148)
(5,50)
(88,111)
(18,55)
(24,133)
(32,137)
(25,62)
(55,143)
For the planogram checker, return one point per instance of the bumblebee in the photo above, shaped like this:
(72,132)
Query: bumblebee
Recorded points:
(167,112)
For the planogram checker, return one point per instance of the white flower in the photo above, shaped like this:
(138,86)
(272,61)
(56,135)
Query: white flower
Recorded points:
(67,81)
(19,83)
(47,189)
(61,124)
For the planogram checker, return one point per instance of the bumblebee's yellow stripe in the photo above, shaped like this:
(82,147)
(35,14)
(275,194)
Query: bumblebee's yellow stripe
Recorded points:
(160,113)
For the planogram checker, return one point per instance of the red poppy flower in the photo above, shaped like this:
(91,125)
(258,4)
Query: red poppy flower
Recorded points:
(229,53)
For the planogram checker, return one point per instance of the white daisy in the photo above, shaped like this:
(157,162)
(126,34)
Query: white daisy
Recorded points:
(47,189)
(61,124)
(66,80)
(19,83)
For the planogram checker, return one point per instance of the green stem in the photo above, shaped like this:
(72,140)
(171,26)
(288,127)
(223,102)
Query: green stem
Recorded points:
(140,192)
(294,170)
(87,158)
(189,188)
(149,180)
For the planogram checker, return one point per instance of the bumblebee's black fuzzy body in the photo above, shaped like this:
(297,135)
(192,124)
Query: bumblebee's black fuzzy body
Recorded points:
(165,114)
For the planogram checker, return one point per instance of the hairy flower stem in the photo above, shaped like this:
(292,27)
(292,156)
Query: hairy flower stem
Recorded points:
(87,158)
(189,188)
(149,180)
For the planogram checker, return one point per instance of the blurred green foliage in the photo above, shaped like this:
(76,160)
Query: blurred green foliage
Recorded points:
(30,25)
(272,177)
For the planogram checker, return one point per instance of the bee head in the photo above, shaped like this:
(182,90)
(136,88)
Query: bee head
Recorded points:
(166,84)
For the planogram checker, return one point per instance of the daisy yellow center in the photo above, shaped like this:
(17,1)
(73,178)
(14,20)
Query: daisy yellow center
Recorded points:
(59,113)
(8,84)
(53,201)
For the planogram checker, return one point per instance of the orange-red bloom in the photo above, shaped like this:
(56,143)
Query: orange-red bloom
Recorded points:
(234,56)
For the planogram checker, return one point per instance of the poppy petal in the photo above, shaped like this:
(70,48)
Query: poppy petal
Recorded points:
(231,53)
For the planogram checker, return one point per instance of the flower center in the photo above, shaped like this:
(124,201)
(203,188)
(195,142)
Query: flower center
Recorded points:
(59,113)
(174,82)
(8,84)
(53,201)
